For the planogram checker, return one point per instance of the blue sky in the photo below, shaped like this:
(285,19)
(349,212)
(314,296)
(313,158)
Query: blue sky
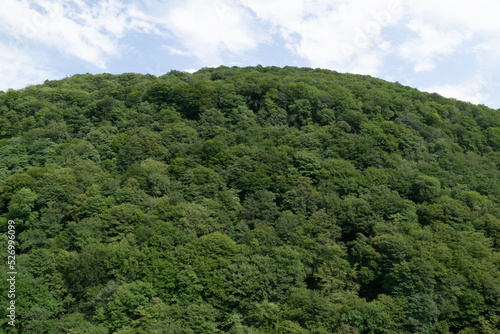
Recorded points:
(446,46)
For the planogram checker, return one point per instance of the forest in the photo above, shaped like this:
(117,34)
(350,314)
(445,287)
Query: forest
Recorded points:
(248,200)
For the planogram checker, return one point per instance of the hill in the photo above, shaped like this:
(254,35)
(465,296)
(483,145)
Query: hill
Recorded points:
(248,200)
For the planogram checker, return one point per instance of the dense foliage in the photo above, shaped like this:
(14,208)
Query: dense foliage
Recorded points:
(249,200)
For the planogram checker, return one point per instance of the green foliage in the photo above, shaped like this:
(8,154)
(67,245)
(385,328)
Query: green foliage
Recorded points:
(249,200)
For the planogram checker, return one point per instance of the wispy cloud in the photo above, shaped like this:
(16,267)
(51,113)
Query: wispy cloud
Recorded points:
(429,44)
(208,30)
(344,35)
(482,89)
(18,68)
(89,32)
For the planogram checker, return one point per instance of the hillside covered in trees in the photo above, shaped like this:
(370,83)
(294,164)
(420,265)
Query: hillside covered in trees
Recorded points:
(249,200)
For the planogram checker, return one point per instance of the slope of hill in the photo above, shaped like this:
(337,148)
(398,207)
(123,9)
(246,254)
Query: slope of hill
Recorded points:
(249,200)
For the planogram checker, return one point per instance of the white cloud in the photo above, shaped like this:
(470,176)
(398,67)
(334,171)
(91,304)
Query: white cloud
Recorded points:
(207,30)
(429,45)
(277,14)
(482,89)
(342,35)
(77,29)
(175,51)
(18,68)
(488,53)
(464,91)
(479,15)
(424,65)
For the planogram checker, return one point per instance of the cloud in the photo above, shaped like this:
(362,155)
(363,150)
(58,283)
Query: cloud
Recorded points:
(430,43)
(353,35)
(480,15)
(209,31)
(482,89)
(440,29)
(89,32)
(18,68)
(176,51)
(488,53)
(342,35)
(464,91)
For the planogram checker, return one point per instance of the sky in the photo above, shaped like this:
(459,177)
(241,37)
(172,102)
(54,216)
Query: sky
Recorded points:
(446,46)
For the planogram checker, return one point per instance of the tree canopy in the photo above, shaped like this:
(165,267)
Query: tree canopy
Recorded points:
(249,200)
